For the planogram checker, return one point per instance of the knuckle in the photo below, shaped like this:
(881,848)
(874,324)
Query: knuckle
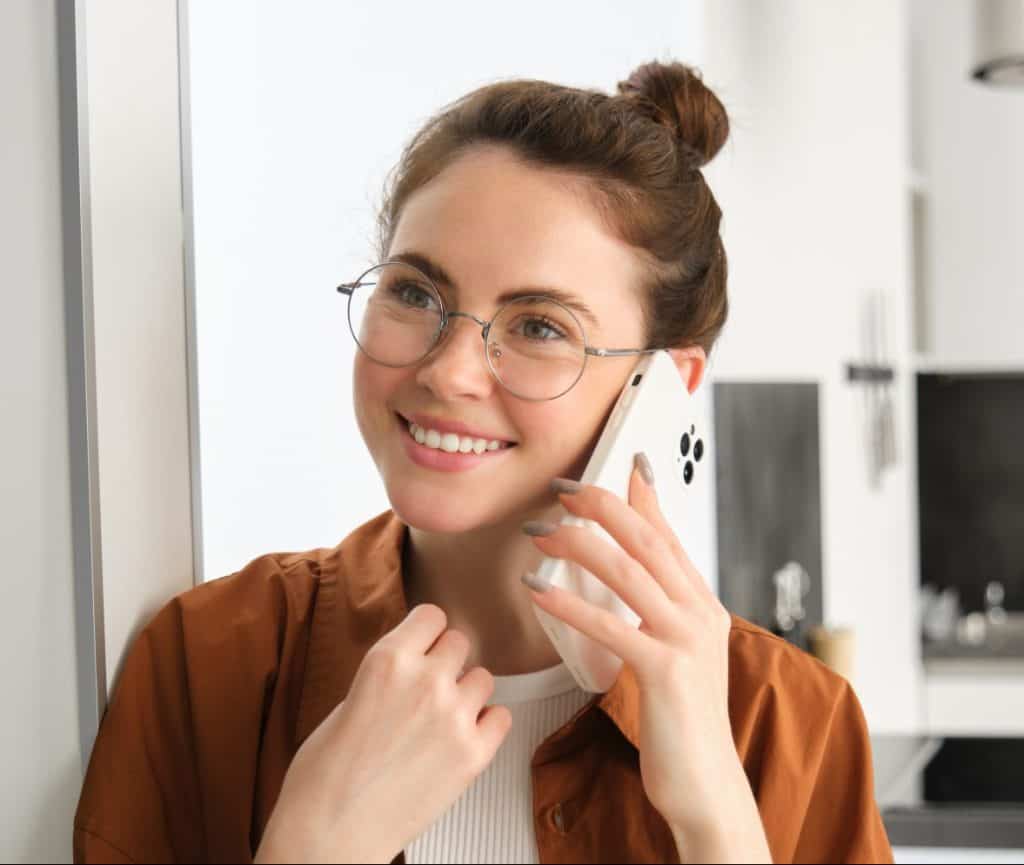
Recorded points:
(607,626)
(430,612)
(386,661)
(482,676)
(437,691)
(649,537)
(633,573)
(604,504)
(458,640)
(475,688)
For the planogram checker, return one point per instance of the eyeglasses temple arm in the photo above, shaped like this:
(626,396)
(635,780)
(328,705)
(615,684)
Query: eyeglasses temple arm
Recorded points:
(619,352)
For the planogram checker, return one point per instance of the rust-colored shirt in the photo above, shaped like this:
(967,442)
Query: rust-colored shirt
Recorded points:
(219,690)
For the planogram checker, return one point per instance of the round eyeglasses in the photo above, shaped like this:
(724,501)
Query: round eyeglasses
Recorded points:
(534,346)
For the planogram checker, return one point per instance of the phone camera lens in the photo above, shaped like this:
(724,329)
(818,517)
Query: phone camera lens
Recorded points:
(698,449)
(684,444)
(688,471)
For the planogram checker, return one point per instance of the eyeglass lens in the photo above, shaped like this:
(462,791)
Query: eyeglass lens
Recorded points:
(535,347)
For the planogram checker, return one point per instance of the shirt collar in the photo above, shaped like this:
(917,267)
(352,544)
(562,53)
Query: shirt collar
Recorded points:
(360,598)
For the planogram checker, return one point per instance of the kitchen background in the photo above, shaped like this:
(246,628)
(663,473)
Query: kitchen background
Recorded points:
(185,183)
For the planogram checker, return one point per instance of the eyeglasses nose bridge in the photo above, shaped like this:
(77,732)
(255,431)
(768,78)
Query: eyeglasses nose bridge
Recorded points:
(484,325)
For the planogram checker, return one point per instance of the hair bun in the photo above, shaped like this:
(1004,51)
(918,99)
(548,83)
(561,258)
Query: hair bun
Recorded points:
(674,95)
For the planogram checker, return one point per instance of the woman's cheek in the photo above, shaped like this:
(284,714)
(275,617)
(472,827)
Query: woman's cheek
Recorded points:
(372,387)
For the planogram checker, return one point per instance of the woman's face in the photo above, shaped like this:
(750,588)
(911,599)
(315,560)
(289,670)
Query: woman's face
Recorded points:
(495,225)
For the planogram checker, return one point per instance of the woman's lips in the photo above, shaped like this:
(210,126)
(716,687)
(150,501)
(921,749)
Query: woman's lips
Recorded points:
(462,430)
(440,460)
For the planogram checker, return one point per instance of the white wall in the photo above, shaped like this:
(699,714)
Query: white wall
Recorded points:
(145,485)
(291,140)
(969,151)
(813,191)
(132,505)
(39,749)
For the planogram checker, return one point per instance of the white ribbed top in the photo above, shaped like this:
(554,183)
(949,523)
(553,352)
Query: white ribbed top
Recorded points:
(493,820)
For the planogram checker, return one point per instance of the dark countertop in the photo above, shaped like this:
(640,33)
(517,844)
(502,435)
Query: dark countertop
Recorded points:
(910,821)
(942,825)
(1001,638)
(1006,649)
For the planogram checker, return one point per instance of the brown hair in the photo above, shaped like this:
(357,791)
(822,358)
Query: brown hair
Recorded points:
(640,152)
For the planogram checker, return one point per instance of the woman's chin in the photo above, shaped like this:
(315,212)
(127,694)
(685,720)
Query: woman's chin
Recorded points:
(434,519)
(428,511)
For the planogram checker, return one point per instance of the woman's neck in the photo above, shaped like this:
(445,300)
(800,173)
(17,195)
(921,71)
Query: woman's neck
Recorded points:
(475,578)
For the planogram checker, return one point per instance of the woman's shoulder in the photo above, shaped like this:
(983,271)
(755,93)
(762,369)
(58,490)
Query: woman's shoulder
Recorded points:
(270,590)
(272,600)
(209,684)
(802,736)
(769,676)
(265,581)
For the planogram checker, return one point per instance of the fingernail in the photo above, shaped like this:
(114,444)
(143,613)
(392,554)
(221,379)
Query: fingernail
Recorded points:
(564,485)
(538,585)
(644,466)
(538,528)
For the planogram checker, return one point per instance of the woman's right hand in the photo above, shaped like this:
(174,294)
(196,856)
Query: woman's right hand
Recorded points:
(394,755)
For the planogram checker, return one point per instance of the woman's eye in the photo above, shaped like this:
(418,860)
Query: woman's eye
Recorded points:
(413,295)
(538,328)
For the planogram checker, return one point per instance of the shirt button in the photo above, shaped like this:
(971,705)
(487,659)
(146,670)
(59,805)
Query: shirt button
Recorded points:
(556,815)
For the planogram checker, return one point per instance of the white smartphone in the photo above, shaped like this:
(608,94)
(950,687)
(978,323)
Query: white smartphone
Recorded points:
(656,414)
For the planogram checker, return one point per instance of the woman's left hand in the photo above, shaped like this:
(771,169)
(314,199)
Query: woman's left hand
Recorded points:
(679,655)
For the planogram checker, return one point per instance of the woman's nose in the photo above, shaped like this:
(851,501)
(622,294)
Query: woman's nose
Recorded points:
(457,366)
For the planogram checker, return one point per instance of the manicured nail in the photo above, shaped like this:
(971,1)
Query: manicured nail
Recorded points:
(539,528)
(538,585)
(564,485)
(644,466)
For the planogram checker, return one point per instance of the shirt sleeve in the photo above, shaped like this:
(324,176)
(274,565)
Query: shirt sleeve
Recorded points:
(91,848)
(140,800)
(842,822)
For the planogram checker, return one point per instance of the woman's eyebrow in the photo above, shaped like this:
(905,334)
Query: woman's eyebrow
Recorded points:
(440,276)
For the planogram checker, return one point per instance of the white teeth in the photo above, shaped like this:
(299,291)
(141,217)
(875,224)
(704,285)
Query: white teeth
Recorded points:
(452,443)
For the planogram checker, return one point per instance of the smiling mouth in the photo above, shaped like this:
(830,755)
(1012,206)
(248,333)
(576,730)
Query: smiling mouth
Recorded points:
(452,442)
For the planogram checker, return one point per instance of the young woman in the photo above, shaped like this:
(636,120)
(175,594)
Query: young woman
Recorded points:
(395,698)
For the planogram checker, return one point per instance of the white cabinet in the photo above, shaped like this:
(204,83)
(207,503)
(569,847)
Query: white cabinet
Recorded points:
(974,697)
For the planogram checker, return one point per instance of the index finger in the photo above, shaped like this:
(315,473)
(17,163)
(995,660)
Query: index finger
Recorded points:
(644,500)
(419,630)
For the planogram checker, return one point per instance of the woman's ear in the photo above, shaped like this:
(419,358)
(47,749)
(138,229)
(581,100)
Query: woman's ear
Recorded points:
(691,362)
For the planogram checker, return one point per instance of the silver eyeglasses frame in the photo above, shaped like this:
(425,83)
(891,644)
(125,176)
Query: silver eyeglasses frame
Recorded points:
(349,288)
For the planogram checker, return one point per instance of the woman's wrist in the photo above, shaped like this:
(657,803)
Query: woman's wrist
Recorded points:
(719,842)
(279,844)
(733,832)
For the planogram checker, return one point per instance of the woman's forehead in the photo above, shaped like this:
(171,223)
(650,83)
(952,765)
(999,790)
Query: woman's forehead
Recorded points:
(494,225)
